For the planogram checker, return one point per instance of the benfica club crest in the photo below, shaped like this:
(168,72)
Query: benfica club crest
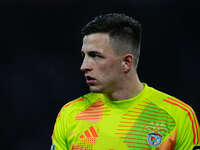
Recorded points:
(154,139)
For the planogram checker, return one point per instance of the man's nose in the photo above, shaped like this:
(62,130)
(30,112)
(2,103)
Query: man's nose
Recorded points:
(86,65)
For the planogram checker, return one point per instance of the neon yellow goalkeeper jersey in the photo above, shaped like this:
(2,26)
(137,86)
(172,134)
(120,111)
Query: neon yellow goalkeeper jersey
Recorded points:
(150,121)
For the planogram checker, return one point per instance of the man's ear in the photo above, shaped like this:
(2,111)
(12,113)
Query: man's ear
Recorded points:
(127,62)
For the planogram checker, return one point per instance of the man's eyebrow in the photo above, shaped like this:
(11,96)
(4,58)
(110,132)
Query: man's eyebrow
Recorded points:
(89,52)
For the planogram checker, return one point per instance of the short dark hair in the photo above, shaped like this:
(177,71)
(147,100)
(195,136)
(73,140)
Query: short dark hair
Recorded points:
(120,27)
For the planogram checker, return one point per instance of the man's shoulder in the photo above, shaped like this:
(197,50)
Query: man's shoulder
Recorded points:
(170,103)
(79,103)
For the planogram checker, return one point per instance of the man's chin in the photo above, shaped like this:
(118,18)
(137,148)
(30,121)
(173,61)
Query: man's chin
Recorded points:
(95,89)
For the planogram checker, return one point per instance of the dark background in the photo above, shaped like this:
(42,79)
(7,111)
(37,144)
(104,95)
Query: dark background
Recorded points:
(40,58)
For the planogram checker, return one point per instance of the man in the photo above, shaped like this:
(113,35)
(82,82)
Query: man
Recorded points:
(120,112)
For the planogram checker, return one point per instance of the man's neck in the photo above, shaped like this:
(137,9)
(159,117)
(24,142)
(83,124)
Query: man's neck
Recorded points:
(127,90)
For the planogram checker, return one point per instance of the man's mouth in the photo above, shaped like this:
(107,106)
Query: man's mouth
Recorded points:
(90,80)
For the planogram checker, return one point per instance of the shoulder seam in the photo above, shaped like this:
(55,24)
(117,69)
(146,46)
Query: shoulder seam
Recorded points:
(74,101)
(190,113)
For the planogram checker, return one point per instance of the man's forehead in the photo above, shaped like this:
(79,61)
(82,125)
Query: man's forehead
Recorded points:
(96,42)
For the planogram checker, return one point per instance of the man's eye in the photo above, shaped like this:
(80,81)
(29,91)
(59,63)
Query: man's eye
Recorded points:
(94,55)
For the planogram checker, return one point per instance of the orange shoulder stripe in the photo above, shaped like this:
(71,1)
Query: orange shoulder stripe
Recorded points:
(77,100)
(171,101)
(193,114)
(66,105)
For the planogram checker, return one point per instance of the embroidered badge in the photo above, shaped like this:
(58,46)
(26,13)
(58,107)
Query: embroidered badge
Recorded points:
(154,139)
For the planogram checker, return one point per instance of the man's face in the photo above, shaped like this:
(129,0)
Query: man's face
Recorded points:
(101,66)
